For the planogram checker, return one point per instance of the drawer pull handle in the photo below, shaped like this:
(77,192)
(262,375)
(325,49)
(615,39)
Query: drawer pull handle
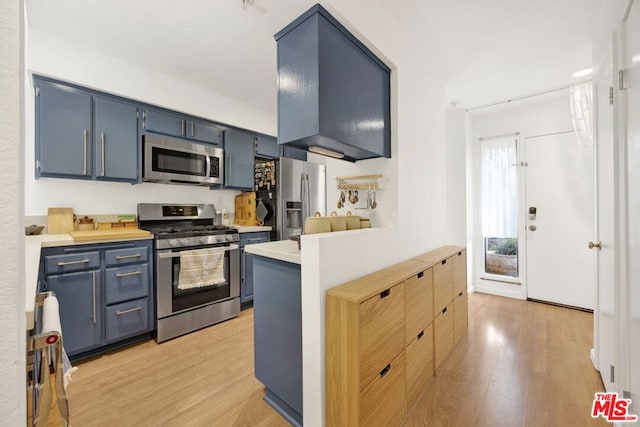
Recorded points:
(444,261)
(82,261)
(385,371)
(460,294)
(131,273)
(420,335)
(421,275)
(444,310)
(120,257)
(459,253)
(385,293)
(131,310)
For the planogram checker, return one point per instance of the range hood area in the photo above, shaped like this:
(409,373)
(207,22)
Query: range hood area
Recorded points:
(333,92)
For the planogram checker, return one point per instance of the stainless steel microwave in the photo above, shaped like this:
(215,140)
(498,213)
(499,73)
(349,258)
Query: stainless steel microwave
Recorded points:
(180,161)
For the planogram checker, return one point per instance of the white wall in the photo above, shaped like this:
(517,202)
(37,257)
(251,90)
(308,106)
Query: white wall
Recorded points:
(12,314)
(456,176)
(51,56)
(418,217)
(538,115)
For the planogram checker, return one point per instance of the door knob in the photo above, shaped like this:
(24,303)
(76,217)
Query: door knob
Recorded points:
(597,245)
(533,228)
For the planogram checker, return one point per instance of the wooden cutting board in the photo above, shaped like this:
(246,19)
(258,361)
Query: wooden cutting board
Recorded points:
(59,220)
(114,233)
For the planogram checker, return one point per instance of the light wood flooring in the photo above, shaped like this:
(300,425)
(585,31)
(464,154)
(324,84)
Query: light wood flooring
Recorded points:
(521,364)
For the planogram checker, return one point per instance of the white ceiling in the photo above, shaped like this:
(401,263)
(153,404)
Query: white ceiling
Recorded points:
(490,49)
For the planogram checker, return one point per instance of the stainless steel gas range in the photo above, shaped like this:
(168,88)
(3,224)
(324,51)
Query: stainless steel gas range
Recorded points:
(207,290)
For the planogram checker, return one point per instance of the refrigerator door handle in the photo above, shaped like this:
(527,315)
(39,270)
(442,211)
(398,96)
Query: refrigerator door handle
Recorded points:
(303,200)
(309,197)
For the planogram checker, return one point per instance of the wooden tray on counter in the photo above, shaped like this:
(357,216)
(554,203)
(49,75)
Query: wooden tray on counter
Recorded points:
(114,233)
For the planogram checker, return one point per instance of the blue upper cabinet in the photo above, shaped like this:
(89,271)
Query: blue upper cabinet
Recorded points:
(267,146)
(63,131)
(239,152)
(80,134)
(115,140)
(333,92)
(182,126)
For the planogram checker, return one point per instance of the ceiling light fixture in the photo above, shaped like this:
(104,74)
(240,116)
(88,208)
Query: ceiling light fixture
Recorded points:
(246,3)
(636,59)
(326,152)
(582,73)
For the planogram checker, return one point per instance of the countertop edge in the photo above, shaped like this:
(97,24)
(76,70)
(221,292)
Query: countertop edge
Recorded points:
(283,250)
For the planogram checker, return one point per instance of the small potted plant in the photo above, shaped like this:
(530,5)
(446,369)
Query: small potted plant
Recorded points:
(502,256)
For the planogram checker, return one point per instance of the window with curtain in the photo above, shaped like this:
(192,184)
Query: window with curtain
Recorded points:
(500,205)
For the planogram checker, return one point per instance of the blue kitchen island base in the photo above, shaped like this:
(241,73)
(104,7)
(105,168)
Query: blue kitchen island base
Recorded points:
(277,326)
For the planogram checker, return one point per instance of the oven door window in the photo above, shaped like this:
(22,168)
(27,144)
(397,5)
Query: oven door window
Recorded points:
(172,161)
(182,299)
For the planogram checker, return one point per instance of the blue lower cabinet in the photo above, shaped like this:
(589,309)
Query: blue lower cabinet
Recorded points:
(125,283)
(246,272)
(278,334)
(79,297)
(101,302)
(127,319)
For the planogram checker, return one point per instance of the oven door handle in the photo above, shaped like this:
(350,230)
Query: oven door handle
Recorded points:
(177,254)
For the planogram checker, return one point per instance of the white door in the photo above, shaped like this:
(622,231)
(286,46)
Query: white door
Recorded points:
(606,310)
(630,62)
(559,219)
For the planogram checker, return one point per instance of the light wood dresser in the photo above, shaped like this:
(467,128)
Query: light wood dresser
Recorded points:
(387,333)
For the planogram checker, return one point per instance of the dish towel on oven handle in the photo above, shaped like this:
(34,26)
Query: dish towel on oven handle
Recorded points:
(201,267)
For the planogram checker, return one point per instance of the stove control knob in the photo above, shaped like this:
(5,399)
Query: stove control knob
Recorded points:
(229,237)
(173,243)
(204,240)
(184,242)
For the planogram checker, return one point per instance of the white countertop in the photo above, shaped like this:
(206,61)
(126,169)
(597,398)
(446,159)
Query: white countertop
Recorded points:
(283,250)
(250,228)
(32,246)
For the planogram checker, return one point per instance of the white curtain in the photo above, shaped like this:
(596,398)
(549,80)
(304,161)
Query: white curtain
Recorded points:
(499,187)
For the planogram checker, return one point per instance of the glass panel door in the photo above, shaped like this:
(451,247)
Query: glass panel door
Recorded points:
(500,203)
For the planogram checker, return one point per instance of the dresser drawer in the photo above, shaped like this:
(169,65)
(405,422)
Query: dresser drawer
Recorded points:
(443,333)
(381,331)
(125,283)
(56,264)
(383,402)
(418,297)
(127,319)
(459,272)
(125,256)
(420,364)
(442,284)
(460,315)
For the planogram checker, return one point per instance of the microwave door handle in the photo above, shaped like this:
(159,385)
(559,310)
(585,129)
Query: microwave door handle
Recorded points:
(208,167)
(308,196)
(303,202)
(164,255)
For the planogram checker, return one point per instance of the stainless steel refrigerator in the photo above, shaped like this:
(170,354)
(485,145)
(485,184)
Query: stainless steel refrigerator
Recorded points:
(302,191)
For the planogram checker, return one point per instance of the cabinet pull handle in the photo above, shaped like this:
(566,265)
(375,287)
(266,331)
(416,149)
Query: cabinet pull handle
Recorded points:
(421,275)
(84,152)
(131,310)
(131,273)
(444,310)
(385,293)
(256,239)
(420,335)
(121,257)
(182,127)
(460,294)
(193,129)
(102,138)
(94,297)
(385,371)
(444,261)
(459,253)
(82,261)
